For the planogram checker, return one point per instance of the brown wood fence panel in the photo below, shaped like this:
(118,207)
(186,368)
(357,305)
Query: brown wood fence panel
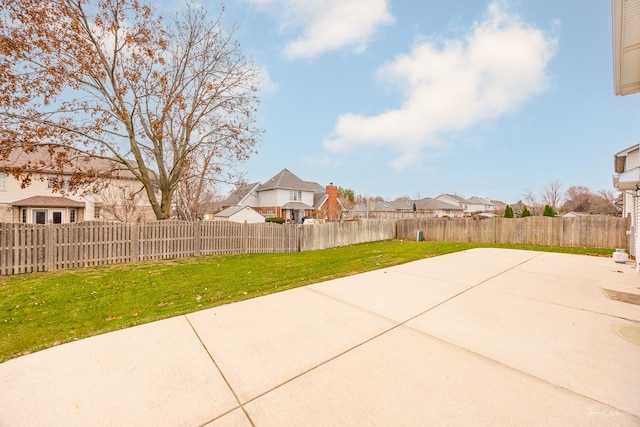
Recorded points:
(335,234)
(22,248)
(586,231)
(270,238)
(165,240)
(220,237)
(87,244)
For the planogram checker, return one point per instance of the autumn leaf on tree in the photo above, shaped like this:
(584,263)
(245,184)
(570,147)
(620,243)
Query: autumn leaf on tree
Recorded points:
(172,102)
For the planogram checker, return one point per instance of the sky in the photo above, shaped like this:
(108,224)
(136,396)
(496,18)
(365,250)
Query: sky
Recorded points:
(398,98)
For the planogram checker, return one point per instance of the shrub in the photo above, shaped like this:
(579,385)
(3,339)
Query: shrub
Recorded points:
(275,219)
(508,212)
(525,212)
(548,211)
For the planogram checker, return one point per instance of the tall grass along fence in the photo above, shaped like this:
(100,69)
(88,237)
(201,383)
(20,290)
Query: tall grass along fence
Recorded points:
(26,248)
(585,231)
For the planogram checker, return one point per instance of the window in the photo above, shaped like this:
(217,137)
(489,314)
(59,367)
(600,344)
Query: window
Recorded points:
(57,217)
(3,182)
(40,216)
(72,215)
(23,215)
(97,212)
(295,195)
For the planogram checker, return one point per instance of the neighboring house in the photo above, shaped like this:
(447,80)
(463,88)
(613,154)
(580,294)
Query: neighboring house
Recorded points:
(426,207)
(484,215)
(39,203)
(289,197)
(208,210)
(239,214)
(501,207)
(479,204)
(439,208)
(572,215)
(469,206)
(455,200)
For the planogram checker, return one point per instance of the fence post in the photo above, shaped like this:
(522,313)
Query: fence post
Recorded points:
(245,238)
(197,232)
(49,248)
(135,242)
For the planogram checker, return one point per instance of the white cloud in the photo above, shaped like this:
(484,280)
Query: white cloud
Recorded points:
(327,24)
(265,82)
(452,86)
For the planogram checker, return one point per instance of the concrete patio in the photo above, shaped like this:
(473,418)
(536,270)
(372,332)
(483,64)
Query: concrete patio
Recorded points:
(480,337)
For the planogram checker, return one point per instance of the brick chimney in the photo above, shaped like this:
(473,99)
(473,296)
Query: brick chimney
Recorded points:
(332,202)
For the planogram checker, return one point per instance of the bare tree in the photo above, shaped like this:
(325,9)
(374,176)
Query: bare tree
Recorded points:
(608,202)
(122,203)
(197,189)
(112,80)
(552,194)
(578,198)
(531,200)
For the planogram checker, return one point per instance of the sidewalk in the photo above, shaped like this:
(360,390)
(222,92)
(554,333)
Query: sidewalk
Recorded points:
(481,337)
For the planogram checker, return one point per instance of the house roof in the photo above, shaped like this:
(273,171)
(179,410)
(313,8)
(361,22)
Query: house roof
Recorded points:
(428,204)
(232,210)
(239,194)
(41,157)
(48,202)
(317,188)
(619,159)
(296,205)
(401,205)
(626,46)
(287,180)
(479,201)
(456,198)
(319,199)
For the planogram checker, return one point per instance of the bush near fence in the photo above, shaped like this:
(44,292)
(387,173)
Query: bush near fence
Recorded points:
(585,231)
(26,248)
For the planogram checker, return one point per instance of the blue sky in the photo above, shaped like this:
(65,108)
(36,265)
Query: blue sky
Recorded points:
(418,98)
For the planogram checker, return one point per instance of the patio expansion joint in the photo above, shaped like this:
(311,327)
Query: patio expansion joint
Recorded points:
(380,334)
(235,396)
(523,372)
(480,283)
(557,304)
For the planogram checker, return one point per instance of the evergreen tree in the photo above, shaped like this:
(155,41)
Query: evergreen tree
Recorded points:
(525,212)
(508,212)
(548,211)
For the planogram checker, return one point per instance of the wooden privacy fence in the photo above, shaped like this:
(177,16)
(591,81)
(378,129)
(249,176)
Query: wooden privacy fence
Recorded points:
(334,234)
(586,231)
(26,248)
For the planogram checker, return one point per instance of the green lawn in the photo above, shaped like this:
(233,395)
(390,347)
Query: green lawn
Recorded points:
(41,310)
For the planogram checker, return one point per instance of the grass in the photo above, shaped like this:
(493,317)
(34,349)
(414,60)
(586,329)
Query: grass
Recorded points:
(41,310)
